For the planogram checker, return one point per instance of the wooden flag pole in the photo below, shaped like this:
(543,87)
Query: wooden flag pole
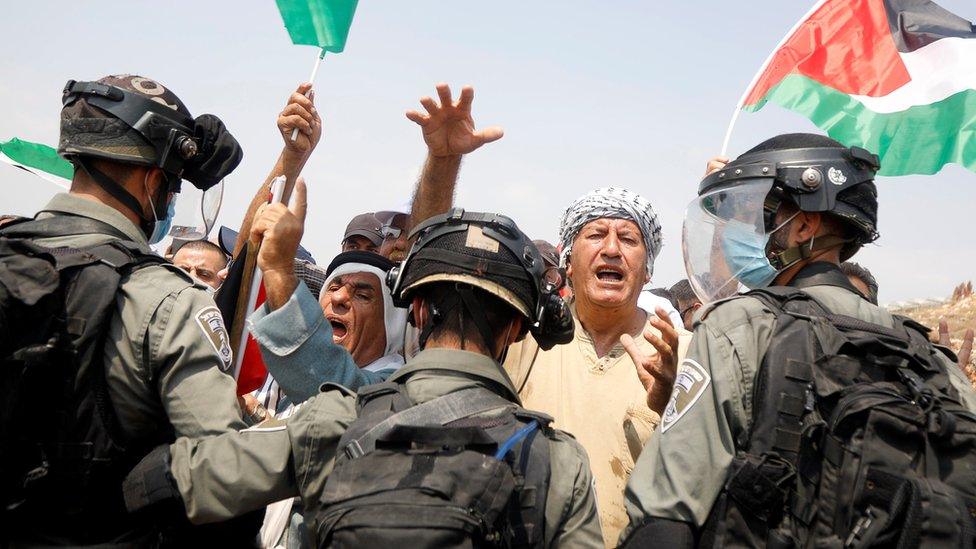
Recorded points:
(251,280)
(311,80)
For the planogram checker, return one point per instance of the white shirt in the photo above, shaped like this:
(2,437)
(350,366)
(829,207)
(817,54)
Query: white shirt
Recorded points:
(649,301)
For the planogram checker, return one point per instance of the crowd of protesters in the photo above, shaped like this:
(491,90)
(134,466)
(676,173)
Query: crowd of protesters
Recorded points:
(339,324)
(607,387)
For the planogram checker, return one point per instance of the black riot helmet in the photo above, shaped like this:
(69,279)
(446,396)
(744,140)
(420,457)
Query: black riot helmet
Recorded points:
(484,251)
(130,119)
(817,173)
(728,229)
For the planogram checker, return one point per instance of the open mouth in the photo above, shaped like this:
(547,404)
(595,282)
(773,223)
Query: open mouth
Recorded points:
(607,274)
(339,329)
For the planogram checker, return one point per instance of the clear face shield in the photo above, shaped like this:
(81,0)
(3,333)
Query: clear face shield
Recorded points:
(196,213)
(724,240)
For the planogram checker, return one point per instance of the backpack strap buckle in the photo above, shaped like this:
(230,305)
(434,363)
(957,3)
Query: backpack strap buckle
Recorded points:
(922,395)
(863,532)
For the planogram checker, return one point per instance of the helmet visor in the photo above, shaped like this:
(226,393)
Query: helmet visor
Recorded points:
(199,209)
(713,259)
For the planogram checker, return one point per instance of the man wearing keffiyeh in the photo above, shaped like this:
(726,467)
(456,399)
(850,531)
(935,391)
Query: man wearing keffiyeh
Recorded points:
(609,385)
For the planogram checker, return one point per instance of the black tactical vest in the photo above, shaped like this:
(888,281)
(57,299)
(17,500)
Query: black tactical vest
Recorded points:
(62,455)
(432,475)
(858,438)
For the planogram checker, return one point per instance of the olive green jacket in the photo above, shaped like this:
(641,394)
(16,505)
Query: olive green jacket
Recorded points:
(228,475)
(167,353)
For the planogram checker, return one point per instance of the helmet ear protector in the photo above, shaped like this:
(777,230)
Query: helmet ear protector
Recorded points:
(200,150)
(552,322)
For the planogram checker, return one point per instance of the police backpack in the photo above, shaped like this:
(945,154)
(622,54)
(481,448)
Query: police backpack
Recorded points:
(62,458)
(431,475)
(858,439)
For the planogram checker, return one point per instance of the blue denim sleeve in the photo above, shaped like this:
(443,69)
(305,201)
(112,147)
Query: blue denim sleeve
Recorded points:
(297,348)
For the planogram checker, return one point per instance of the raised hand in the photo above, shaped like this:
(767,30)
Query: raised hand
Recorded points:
(278,229)
(965,351)
(656,371)
(448,127)
(715,164)
(300,112)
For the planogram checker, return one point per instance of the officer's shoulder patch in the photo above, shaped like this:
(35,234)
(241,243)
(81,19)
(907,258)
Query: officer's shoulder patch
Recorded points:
(212,324)
(689,386)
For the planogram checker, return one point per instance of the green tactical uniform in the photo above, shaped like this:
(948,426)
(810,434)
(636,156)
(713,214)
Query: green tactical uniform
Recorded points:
(682,470)
(222,477)
(167,354)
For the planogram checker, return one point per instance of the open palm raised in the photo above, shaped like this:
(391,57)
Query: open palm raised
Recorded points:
(448,127)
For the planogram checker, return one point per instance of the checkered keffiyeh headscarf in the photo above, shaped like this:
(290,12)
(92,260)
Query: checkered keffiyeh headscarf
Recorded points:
(612,203)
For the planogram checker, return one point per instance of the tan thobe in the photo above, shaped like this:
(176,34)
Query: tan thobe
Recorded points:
(600,401)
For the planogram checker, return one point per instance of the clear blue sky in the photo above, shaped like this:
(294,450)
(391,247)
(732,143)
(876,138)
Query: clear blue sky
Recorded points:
(630,93)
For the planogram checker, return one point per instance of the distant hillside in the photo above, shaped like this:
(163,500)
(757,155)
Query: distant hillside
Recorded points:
(959,311)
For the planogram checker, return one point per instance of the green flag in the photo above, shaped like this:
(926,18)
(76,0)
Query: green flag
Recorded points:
(38,159)
(322,23)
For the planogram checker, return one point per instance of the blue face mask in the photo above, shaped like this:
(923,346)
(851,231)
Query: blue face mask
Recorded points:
(162,226)
(745,253)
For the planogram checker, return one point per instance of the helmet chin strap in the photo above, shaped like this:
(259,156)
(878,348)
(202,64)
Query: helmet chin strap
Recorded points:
(787,257)
(119,192)
(795,254)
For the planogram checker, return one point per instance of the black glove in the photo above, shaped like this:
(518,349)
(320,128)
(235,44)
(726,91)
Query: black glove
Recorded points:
(150,482)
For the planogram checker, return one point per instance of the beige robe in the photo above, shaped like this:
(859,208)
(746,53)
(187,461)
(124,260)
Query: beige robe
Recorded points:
(600,401)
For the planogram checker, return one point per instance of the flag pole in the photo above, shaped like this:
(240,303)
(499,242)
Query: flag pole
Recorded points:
(311,80)
(252,281)
(762,69)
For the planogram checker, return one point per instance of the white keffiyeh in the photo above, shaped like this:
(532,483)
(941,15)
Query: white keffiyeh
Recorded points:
(612,203)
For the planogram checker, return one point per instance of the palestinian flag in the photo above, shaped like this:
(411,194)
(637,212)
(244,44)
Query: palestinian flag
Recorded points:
(896,77)
(38,159)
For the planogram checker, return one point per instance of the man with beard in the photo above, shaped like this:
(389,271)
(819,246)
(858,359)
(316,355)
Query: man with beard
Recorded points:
(608,386)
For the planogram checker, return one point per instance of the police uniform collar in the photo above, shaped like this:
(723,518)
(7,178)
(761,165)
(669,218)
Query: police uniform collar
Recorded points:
(75,205)
(822,273)
(464,363)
